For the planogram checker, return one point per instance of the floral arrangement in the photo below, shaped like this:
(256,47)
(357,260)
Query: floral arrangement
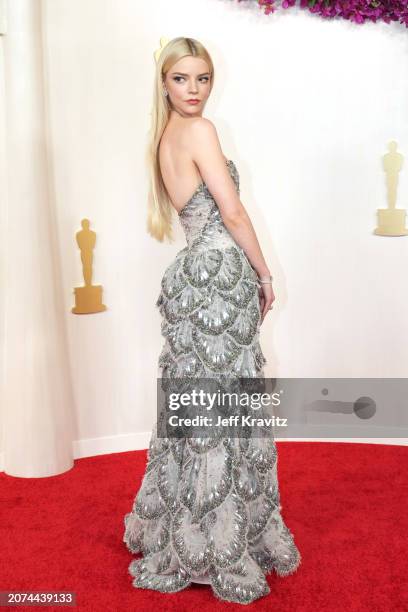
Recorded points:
(358,11)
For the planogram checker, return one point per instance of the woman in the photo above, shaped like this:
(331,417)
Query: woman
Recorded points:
(207,511)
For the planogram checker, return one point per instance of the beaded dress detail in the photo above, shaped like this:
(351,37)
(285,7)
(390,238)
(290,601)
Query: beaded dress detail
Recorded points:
(210,512)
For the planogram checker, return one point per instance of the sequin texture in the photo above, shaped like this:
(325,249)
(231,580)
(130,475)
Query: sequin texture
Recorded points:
(208,510)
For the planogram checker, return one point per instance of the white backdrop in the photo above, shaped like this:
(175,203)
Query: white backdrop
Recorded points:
(304,106)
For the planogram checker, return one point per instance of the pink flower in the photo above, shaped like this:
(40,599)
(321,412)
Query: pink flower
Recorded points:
(357,11)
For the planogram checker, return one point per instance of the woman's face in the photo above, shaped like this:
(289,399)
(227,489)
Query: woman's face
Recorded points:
(188,79)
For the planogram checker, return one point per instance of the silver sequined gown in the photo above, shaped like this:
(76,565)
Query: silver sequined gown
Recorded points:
(208,513)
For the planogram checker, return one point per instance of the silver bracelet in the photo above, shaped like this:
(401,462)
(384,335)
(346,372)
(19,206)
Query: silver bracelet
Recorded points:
(266,280)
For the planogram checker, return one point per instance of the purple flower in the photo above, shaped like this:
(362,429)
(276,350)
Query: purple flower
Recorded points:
(357,11)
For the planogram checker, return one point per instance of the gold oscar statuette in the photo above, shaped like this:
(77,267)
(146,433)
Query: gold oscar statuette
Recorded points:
(391,220)
(88,299)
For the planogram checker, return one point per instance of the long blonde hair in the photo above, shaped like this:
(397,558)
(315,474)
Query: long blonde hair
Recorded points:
(160,209)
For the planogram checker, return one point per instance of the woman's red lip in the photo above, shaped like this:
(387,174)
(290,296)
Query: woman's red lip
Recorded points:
(192,100)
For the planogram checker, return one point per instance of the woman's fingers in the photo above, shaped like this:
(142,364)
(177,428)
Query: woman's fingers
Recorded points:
(266,299)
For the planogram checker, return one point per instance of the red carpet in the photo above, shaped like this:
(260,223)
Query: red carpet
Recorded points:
(347,505)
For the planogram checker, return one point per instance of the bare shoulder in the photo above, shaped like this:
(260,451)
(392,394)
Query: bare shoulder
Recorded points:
(203,127)
(203,138)
(205,150)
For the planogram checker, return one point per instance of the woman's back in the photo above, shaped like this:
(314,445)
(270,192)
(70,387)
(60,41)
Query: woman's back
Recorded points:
(179,171)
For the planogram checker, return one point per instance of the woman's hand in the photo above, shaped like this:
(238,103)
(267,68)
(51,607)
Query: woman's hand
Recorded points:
(266,299)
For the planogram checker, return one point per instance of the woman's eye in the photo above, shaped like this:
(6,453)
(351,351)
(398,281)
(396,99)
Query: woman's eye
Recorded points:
(179,77)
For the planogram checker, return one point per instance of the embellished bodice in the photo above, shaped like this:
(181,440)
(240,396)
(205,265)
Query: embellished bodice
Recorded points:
(201,219)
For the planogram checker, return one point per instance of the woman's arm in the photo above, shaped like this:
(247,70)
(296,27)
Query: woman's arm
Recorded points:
(207,154)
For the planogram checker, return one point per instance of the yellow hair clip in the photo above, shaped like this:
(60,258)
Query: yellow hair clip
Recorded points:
(163,43)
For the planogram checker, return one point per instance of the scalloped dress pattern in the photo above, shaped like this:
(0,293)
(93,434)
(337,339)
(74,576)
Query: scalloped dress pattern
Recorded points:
(209,511)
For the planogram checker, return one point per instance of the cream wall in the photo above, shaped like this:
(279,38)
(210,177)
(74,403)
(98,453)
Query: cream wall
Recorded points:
(3,221)
(305,107)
